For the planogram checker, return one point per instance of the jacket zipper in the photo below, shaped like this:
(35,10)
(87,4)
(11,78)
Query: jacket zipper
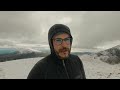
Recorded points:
(65,69)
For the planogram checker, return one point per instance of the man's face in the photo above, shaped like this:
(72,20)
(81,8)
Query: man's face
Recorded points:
(62,45)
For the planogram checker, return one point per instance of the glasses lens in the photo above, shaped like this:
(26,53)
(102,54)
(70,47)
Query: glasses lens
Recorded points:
(67,40)
(58,41)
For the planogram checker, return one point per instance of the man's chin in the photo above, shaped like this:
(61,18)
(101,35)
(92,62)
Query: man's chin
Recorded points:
(64,57)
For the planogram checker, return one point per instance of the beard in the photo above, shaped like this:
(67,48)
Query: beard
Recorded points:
(63,53)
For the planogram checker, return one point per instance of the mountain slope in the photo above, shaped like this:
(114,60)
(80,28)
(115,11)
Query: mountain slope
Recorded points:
(111,56)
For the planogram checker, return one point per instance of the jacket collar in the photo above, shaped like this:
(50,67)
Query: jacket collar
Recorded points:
(58,60)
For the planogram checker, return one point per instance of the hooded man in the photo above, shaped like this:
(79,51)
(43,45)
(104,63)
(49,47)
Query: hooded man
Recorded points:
(60,64)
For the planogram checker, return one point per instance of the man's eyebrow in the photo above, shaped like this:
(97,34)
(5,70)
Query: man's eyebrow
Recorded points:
(61,38)
(58,38)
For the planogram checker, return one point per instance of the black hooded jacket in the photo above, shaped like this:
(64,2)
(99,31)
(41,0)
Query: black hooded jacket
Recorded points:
(51,67)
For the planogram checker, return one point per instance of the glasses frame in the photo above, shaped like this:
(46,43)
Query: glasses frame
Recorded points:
(65,39)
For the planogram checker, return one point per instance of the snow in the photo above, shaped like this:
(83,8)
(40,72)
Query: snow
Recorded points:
(94,68)
(17,69)
(118,47)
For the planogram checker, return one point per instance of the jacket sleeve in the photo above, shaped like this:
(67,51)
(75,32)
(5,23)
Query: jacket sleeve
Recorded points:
(37,72)
(82,69)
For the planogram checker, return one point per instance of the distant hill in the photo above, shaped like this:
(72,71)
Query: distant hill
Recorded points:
(7,54)
(111,56)
(81,53)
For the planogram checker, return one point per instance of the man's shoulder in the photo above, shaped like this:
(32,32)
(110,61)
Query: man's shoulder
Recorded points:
(43,60)
(74,56)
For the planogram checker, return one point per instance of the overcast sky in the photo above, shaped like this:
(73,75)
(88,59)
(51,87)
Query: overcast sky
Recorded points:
(92,29)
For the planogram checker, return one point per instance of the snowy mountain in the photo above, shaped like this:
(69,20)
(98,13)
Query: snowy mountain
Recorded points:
(81,53)
(111,56)
(7,54)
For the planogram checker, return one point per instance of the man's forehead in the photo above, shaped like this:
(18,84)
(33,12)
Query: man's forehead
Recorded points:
(60,35)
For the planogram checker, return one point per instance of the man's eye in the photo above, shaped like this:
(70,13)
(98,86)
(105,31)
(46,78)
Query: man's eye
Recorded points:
(58,40)
(67,39)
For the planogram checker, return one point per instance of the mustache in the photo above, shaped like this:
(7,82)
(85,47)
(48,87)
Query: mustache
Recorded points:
(64,49)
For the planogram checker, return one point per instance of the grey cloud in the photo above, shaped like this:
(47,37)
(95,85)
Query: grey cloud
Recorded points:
(88,28)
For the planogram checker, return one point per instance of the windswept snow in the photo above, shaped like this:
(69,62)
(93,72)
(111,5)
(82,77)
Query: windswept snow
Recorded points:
(17,69)
(97,69)
(94,68)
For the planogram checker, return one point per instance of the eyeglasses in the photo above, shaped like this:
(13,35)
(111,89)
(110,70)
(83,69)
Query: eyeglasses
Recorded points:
(59,41)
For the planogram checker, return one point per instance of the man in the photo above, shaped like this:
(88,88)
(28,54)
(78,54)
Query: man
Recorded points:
(60,64)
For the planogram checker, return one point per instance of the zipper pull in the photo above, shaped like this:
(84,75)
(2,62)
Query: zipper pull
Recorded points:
(63,63)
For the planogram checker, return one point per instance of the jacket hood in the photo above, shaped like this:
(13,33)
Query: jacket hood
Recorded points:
(57,28)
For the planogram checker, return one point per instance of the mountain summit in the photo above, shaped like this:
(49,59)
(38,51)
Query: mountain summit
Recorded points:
(111,56)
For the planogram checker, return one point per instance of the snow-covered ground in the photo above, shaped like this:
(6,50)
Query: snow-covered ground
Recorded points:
(17,69)
(94,68)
